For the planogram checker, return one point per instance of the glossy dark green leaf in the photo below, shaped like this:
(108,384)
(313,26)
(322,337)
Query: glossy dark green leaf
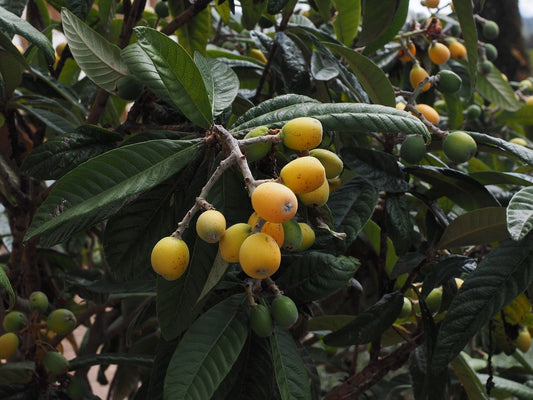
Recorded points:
(96,189)
(381,22)
(379,168)
(328,322)
(164,352)
(520,213)
(373,79)
(291,375)
(16,373)
(501,275)
(400,225)
(357,117)
(417,371)
(290,65)
(193,35)
(169,71)
(446,268)
(89,360)
(346,21)
(456,185)
(12,24)
(313,275)
(323,69)
(484,225)
(369,324)
(504,146)
(207,351)
(497,90)
(86,46)
(506,387)
(60,154)
(465,15)
(502,178)
(251,12)
(275,6)
(14,6)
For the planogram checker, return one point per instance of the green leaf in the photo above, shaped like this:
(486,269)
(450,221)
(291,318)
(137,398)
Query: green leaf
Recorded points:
(379,168)
(372,78)
(164,352)
(16,373)
(484,225)
(502,178)
(58,155)
(4,283)
(251,12)
(291,375)
(290,65)
(96,189)
(221,82)
(194,35)
(357,117)
(346,21)
(207,351)
(505,388)
(507,148)
(372,234)
(88,46)
(370,324)
(465,15)
(522,116)
(520,213)
(455,110)
(456,185)
(170,72)
(447,267)
(470,381)
(313,275)
(328,322)
(502,275)
(494,88)
(12,24)
(89,360)
(218,270)
(400,228)
(381,22)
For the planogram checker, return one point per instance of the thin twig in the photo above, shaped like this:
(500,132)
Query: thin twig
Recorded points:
(184,17)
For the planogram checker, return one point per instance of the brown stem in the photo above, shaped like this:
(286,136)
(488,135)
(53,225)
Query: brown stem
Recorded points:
(184,17)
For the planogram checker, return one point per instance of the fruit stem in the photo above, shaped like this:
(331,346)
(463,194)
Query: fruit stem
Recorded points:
(433,128)
(272,286)
(248,289)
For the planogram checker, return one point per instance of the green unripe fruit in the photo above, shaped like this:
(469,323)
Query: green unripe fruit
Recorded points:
(129,87)
(77,388)
(329,160)
(407,308)
(284,311)
(9,343)
(38,301)
(459,146)
(473,111)
(261,321)
(257,151)
(491,51)
(55,363)
(14,321)
(161,9)
(61,321)
(491,30)
(485,67)
(434,299)
(413,149)
(449,82)
(292,235)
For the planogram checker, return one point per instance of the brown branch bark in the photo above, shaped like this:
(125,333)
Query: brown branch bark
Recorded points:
(184,17)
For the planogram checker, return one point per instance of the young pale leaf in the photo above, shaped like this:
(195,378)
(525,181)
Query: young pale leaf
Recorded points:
(501,276)
(497,90)
(370,324)
(381,23)
(169,71)
(520,213)
(221,82)
(4,283)
(207,351)
(97,57)
(346,22)
(58,155)
(373,79)
(314,275)
(12,24)
(465,15)
(470,381)
(356,117)
(291,375)
(484,225)
(96,189)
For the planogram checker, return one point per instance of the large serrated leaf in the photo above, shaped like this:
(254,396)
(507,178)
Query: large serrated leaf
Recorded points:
(4,283)
(497,90)
(372,78)
(96,189)
(470,381)
(501,276)
(12,24)
(356,117)
(520,213)
(169,71)
(481,226)
(346,21)
(291,375)
(290,65)
(207,351)
(221,82)
(314,275)
(379,168)
(88,46)
(59,155)
(370,324)
(465,15)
